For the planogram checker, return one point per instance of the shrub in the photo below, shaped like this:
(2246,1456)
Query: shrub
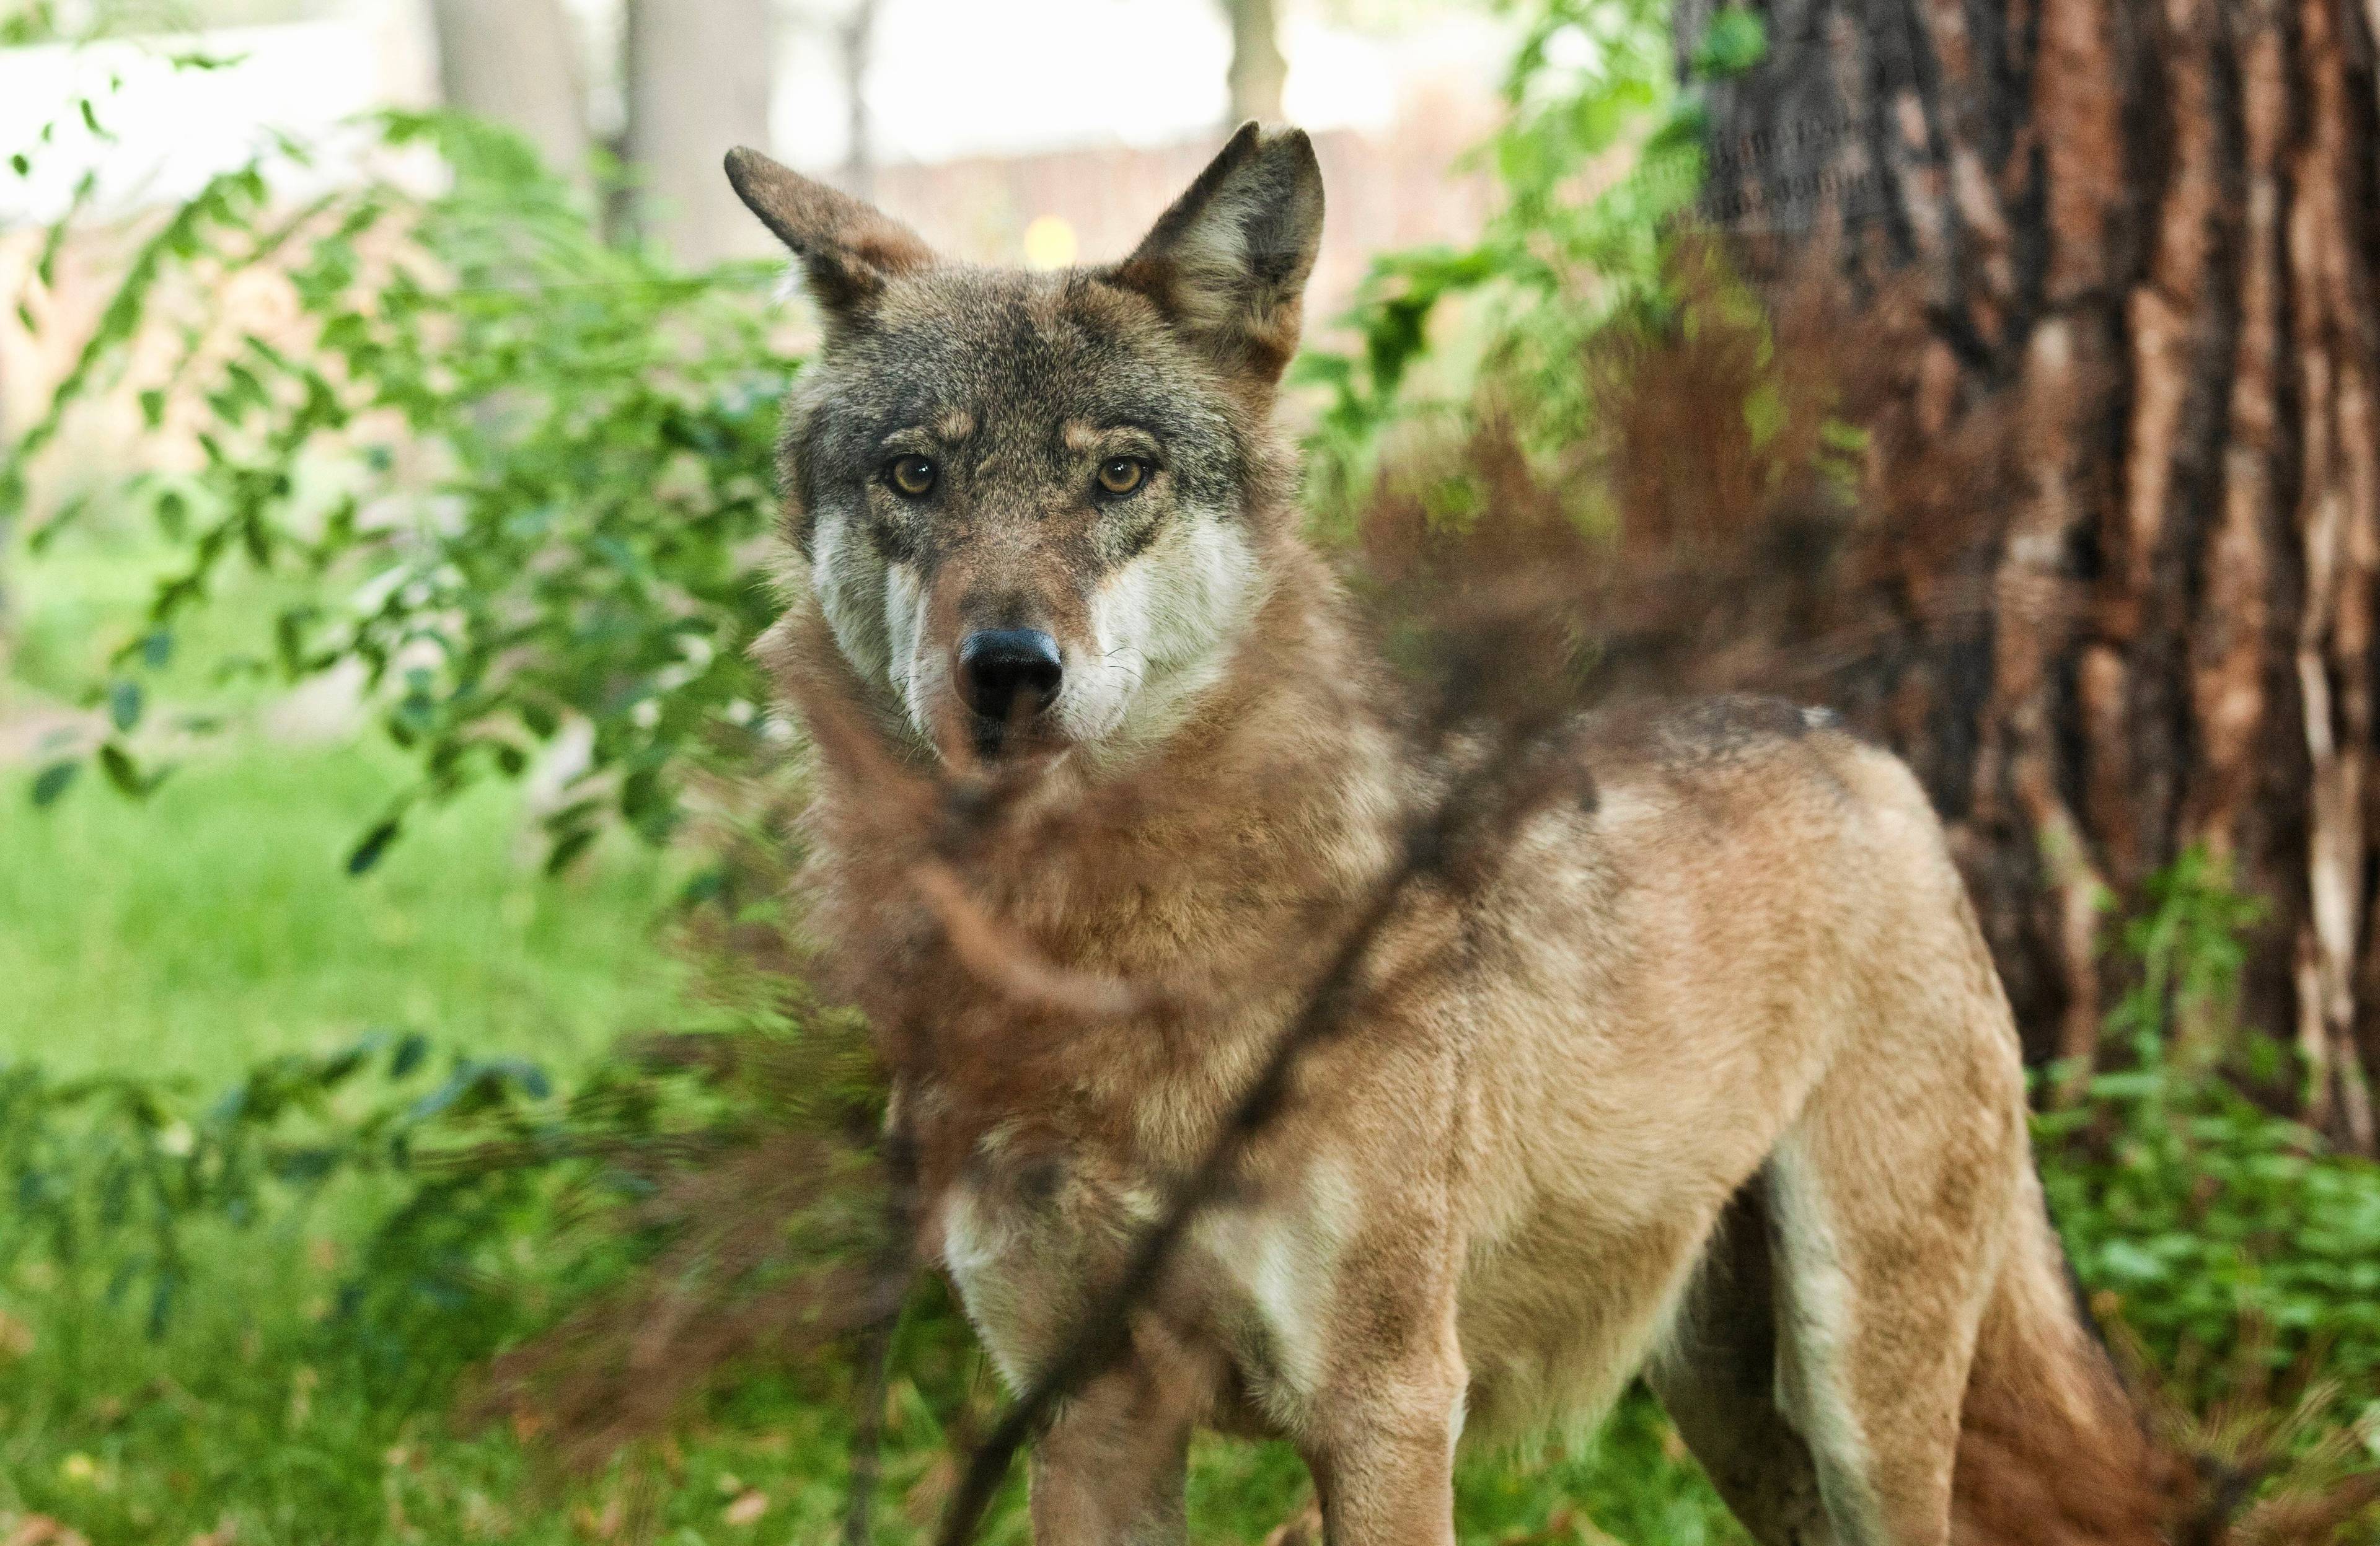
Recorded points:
(529,472)
(2234,1242)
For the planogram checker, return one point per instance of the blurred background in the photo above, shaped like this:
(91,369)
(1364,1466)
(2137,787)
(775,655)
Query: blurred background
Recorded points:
(415,1125)
(1007,133)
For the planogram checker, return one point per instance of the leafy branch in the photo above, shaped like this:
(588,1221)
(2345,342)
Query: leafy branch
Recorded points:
(1599,157)
(528,474)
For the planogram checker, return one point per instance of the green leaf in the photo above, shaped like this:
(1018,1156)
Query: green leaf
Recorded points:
(53,782)
(1764,412)
(568,848)
(411,1050)
(1736,41)
(368,852)
(125,702)
(121,770)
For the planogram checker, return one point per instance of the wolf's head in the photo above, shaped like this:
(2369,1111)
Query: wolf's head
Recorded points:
(1034,506)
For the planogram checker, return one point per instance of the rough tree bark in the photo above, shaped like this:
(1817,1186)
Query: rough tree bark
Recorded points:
(2147,232)
(697,84)
(515,61)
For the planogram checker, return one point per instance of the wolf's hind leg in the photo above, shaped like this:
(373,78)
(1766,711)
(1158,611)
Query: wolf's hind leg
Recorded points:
(1717,1377)
(1890,1200)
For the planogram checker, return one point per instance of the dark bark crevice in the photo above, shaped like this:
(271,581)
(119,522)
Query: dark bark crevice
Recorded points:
(2143,237)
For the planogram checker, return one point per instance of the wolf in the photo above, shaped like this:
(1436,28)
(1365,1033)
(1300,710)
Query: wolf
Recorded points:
(1709,1080)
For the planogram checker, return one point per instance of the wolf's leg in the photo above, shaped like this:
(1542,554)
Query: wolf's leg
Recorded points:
(1381,1445)
(1384,1469)
(1891,1200)
(1112,1467)
(1718,1380)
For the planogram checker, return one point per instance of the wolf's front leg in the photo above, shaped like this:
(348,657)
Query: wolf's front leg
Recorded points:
(1382,1445)
(1111,1469)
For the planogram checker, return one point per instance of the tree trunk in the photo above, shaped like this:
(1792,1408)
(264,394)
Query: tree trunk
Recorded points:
(1259,69)
(515,61)
(2143,235)
(856,44)
(698,85)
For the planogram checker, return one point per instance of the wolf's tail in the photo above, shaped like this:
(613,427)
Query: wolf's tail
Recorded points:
(2051,1449)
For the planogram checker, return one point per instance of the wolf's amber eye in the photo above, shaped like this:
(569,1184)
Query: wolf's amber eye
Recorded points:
(1122,474)
(913,476)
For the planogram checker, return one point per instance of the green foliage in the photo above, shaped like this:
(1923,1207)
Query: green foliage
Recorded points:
(1736,41)
(111,1174)
(530,471)
(465,1204)
(2215,1229)
(28,21)
(107,1171)
(1599,155)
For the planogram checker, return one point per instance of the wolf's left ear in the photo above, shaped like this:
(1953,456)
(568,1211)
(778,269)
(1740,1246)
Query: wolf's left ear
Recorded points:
(849,251)
(1228,262)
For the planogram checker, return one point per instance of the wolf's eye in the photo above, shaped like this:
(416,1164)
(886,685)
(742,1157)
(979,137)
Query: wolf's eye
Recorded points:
(1122,474)
(913,476)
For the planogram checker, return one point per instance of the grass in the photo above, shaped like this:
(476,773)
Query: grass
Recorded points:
(245,1415)
(214,922)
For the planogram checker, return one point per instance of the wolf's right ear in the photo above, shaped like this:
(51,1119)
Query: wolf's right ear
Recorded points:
(849,251)
(1228,262)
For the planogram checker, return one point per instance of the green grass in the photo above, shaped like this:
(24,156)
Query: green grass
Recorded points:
(214,922)
(246,1413)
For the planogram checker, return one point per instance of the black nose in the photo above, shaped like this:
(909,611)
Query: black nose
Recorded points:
(1008,673)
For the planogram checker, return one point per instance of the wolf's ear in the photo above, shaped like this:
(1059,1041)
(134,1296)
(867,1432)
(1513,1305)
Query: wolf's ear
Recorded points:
(1228,262)
(848,249)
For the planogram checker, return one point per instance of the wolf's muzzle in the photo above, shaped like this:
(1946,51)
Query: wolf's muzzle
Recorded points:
(1009,673)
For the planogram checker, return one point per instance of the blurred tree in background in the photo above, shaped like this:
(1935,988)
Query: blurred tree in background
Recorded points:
(698,79)
(1259,69)
(517,63)
(696,76)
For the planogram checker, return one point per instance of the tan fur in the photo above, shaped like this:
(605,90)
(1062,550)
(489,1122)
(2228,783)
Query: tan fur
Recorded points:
(1708,1077)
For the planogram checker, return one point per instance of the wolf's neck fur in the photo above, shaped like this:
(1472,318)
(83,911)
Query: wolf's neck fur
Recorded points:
(1201,861)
